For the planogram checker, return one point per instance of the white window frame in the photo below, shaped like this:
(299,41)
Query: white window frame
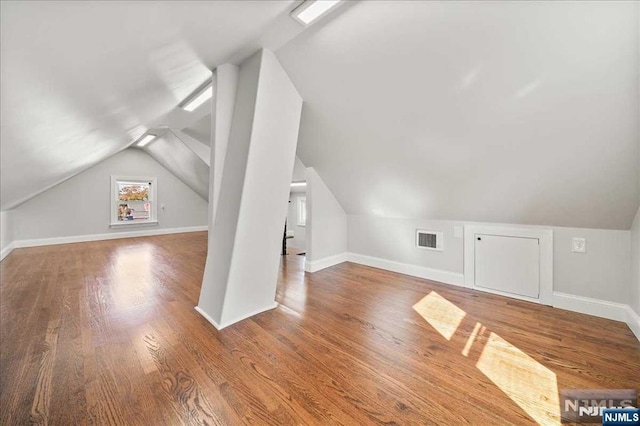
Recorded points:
(153,200)
(302,208)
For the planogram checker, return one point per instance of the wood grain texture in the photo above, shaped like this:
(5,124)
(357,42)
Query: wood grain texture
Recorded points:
(105,333)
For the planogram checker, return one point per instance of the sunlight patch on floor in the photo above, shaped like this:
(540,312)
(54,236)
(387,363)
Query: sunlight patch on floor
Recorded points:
(132,276)
(528,383)
(472,338)
(531,385)
(443,315)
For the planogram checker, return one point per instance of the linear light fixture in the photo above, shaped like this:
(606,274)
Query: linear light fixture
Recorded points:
(310,10)
(298,184)
(145,140)
(198,97)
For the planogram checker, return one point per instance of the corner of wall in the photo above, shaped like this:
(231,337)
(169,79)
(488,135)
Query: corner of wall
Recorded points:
(6,233)
(633,321)
(634,284)
(326,225)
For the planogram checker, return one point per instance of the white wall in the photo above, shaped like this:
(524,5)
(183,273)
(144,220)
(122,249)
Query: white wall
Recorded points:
(602,273)
(634,299)
(81,205)
(6,232)
(394,239)
(299,240)
(299,171)
(326,224)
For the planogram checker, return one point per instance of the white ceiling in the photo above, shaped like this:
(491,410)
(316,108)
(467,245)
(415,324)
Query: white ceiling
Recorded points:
(81,80)
(181,160)
(514,112)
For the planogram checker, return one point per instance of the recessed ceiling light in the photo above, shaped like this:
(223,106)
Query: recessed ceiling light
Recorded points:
(145,140)
(311,10)
(296,184)
(200,96)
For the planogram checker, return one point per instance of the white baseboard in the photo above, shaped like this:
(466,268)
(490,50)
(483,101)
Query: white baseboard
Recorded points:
(586,305)
(208,318)
(235,320)
(453,278)
(317,265)
(633,321)
(5,251)
(109,236)
(250,314)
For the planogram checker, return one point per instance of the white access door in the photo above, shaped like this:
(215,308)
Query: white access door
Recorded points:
(508,264)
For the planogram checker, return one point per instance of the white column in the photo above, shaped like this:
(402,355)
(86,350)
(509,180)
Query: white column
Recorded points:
(252,182)
(226,77)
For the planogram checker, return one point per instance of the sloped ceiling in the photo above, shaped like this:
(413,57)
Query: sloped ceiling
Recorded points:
(514,112)
(177,157)
(81,80)
(200,130)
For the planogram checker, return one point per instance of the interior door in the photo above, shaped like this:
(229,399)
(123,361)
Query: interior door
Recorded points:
(508,264)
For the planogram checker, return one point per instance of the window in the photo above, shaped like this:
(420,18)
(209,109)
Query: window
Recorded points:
(133,200)
(302,211)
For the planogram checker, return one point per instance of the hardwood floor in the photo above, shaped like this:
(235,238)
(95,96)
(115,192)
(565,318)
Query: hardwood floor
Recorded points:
(105,333)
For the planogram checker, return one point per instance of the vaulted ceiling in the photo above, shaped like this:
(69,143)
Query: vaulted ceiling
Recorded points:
(81,80)
(515,112)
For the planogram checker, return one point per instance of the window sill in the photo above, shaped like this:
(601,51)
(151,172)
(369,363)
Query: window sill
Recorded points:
(126,224)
